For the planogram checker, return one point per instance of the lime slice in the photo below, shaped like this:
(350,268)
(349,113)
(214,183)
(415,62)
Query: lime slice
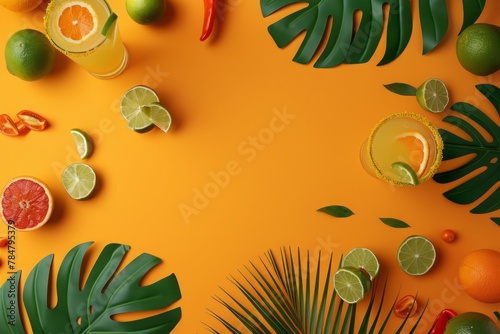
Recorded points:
(83,143)
(79,180)
(351,284)
(416,255)
(133,107)
(159,115)
(364,259)
(406,173)
(432,95)
(109,22)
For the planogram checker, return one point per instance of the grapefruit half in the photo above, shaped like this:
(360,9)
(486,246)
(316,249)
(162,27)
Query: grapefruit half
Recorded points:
(26,204)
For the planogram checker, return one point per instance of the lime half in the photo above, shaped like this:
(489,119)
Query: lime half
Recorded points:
(432,95)
(405,172)
(351,284)
(79,180)
(134,107)
(83,143)
(362,258)
(159,115)
(416,255)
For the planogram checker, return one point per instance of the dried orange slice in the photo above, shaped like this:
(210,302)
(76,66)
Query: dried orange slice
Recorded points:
(77,21)
(418,150)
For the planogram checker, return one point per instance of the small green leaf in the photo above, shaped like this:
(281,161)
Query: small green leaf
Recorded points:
(396,223)
(338,211)
(472,11)
(401,89)
(496,220)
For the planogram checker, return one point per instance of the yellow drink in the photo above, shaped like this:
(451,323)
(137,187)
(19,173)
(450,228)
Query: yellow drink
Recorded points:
(103,56)
(384,147)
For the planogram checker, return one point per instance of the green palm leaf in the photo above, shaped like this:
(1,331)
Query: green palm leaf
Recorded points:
(485,154)
(333,21)
(106,293)
(285,297)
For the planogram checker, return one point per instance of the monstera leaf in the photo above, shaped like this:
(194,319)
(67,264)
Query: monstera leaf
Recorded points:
(348,42)
(91,309)
(485,154)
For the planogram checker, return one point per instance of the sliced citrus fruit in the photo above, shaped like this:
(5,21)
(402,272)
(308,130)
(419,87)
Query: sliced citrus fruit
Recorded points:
(159,115)
(351,284)
(418,150)
(134,107)
(405,172)
(32,120)
(362,258)
(432,95)
(26,204)
(83,142)
(77,21)
(416,255)
(79,180)
(109,22)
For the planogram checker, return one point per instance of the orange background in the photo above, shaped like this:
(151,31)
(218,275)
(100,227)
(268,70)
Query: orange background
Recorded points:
(222,94)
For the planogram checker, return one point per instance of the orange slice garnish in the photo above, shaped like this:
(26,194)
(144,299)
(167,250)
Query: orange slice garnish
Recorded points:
(418,150)
(77,21)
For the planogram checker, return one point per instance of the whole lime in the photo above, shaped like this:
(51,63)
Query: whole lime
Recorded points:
(478,48)
(146,11)
(29,55)
(471,323)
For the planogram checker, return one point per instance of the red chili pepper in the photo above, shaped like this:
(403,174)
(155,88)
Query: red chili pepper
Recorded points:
(7,126)
(32,120)
(440,323)
(209,19)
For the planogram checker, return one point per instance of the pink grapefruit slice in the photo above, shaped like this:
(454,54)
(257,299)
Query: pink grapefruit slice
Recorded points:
(26,204)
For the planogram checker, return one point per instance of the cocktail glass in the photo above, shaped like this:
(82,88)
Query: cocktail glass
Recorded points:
(382,148)
(104,56)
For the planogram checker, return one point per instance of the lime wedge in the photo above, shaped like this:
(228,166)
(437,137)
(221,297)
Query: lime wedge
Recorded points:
(109,22)
(406,173)
(432,95)
(83,143)
(416,255)
(134,107)
(364,259)
(159,115)
(79,180)
(351,284)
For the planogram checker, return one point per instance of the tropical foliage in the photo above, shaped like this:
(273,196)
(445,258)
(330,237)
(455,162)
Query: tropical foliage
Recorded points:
(285,296)
(332,32)
(106,293)
(483,148)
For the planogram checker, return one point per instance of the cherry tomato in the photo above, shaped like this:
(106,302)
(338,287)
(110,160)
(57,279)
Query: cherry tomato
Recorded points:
(7,126)
(448,235)
(405,307)
(32,120)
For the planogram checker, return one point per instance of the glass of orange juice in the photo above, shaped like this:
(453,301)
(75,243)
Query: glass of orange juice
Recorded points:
(403,149)
(86,31)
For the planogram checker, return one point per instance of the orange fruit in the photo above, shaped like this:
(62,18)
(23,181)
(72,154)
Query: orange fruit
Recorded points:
(479,274)
(471,323)
(77,21)
(26,204)
(20,6)
(418,150)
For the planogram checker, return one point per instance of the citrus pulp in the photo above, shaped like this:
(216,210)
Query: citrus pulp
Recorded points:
(79,180)
(478,48)
(418,150)
(432,95)
(77,21)
(83,143)
(416,255)
(362,258)
(351,284)
(26,204)
(29,55)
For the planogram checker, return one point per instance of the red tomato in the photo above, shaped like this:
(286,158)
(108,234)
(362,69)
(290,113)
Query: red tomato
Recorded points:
(448,235)
(32,120)
(405,307)
(7,126)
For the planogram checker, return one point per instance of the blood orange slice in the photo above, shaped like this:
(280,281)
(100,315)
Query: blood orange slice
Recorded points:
(418,150)
(26,204)
(77,21)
